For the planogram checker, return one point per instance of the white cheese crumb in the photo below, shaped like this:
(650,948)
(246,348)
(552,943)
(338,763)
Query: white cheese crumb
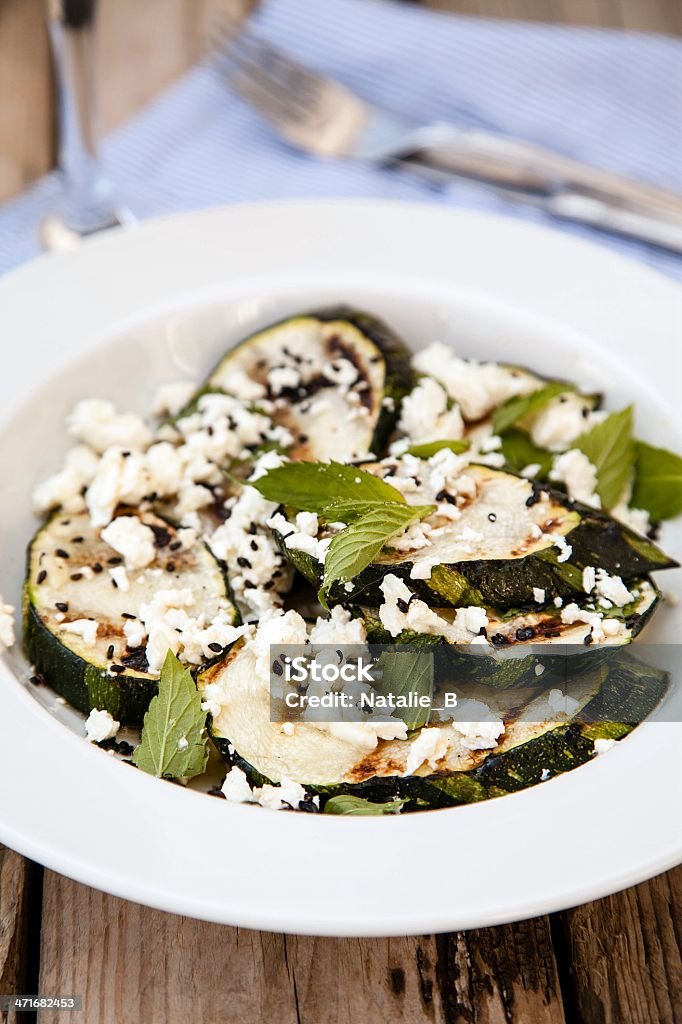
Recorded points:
(560,542)
(120,578)
(424,414)
(236,788)
(558,424)
(279,798)
(97,424)
(171,398)
(602,745)
(612,589)
(544,775)
(132,539)
(589,578)
(558,602)
(422,569)
(562,703)
(539,595)
(478,735)
(539,669)
(531,470)
(430,745)
(575,470)
(7,637)
(100,726)
(85,628)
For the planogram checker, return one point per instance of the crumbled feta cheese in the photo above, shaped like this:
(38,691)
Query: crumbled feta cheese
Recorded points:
(280,798)
(101,726)
(171,398)
(339,628)
(236,788)
(431,745)
(281,378)
(97,424)
(560,542)
(560,422)
(424,414)
(422,569)
(477,387)
(539,669)
(482,734)
(538,595)
(558,602)
(65,489)
(561,703)
(544,774)
(589,578)
(531,470)
(602,744)
(132,539)
(87,629)
(402,611)
(575,470)
(7,637)
(611,589)
(636,519)
(134,632)
(119,576)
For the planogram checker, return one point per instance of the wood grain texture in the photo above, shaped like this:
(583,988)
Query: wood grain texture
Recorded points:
(624,955)
(15,882)
(136,965)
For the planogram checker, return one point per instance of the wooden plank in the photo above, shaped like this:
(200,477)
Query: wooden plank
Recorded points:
(15,882)
(623,955)
(132,964)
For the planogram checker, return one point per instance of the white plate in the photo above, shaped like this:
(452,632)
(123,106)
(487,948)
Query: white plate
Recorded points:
(128,311)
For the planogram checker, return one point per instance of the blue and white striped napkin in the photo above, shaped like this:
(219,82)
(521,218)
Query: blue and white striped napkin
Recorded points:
(610,98)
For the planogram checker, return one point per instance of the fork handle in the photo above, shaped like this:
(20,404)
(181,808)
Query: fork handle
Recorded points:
(513,163)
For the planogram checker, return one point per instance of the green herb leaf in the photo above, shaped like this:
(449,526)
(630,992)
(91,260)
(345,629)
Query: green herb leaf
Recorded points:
(515,409)
(347,804)
(311,486)
(347,510)
(174,718)
(355,547)
(519,452)
(404,673)
(429,448)
(610,449)
(658,481)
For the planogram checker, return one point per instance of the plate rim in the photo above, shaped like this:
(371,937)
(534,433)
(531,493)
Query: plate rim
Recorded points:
(112,251)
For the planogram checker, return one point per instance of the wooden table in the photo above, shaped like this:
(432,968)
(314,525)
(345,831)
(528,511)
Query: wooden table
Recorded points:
(616,961)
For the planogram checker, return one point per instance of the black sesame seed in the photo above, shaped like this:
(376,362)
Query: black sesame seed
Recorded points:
(276,574)
(75,576)
(175,546)
(587,640)
(253,528)
(170,567)
(115,560)
(248,585)
(302,438)
(61,553)
(402,605)
(38,679)
(128,615)
(269,585)
(492,517)
(499,640)
(525,633)
(161,536)
(254,545)
(114,584)
(61,606)
(277,668)
(77,540)
(444,496)
(216,647)
(110,652)
(97,567)
(118,669)
(42,576)
(243,562)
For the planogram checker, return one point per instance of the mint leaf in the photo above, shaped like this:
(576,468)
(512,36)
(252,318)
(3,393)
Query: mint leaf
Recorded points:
(404,673)
(519,452)
(355,547)
(311,486)
(658,481)
(610,449)
(429,448)
(347,804)
(347,510)
(174,718)
(515,409)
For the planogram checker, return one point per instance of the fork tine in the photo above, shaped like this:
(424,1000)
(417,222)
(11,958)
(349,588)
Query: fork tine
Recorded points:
(267,103)
(288,105)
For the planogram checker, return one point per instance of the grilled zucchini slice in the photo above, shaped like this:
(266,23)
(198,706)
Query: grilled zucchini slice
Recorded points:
(73,576)
(334,378)
(520,532)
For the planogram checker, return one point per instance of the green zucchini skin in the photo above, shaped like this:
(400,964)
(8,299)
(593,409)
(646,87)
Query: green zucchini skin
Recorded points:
(507,583)
(630,692)
(125,697)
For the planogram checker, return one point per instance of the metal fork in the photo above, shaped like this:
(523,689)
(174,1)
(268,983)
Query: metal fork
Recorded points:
(325,118)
